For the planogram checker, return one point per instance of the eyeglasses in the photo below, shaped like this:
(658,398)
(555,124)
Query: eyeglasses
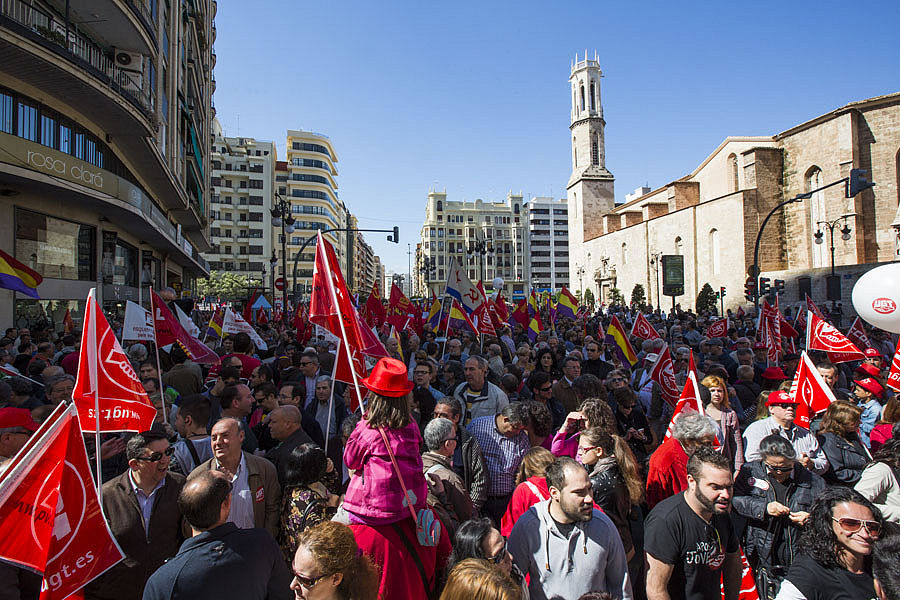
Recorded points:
(779,469)
(545,389)
(498,558)
(309,582)
(304,363)
(853,525)
(626,406)
(587,449)
(157,456)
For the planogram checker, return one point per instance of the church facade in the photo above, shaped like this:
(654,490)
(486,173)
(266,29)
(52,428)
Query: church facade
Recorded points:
(711,216)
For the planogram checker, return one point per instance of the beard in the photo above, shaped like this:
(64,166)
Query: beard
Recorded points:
(710,504)
(576,511)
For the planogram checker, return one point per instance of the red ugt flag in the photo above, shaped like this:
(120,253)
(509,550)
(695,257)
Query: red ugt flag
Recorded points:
(811,392)
(50,518)
(893,380)
(643,329)
(106,379)
(822,335)
(718,329)
(663,373)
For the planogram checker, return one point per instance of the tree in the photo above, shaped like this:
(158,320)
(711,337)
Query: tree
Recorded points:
(589,297)
(638,299)
(225,285)
(616,297)
(706,299)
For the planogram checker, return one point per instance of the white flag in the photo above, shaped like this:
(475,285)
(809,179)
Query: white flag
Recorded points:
(187,322)
(138,323)
(235,323)
(460,288)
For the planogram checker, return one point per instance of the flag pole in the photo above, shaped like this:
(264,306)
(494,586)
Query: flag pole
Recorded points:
(447,331)
(93,367)
(162,390)
(331,403)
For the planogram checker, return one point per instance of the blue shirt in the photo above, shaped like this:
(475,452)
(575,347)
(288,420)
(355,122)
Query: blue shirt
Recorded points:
(145,501)
(502,454)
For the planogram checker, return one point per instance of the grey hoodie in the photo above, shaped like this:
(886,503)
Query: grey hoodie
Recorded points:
(590,559)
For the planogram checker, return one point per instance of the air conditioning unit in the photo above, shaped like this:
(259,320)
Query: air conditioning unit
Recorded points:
(129,61)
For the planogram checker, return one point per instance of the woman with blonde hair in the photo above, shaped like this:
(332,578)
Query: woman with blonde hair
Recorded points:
(329,566)
(477,579)
(839,440)
(719,408)
(531,487)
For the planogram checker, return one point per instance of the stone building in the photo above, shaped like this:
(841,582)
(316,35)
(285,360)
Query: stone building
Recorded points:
(712,215)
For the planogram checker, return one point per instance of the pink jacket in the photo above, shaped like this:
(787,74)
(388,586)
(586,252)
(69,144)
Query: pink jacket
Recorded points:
(565,444)
(374,494)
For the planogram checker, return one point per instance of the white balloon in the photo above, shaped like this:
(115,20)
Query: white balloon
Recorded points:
(876,297)
(498,283)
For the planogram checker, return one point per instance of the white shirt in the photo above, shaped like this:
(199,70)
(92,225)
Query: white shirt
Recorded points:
(145,501)
(241,513)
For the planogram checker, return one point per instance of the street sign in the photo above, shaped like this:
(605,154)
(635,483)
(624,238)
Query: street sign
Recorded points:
(673,275)
(279,284)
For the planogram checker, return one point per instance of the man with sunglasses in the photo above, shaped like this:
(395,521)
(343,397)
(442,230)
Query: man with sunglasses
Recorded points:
(219,560)
(836,548)
(782,410)
(541,385)
(594,364)
(141,507)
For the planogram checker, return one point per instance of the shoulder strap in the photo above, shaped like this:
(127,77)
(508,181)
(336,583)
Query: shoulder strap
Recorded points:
(193,450)
(429,590)
(535,490)
(433,469)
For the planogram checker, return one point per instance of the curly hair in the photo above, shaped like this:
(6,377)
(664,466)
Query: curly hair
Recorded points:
(818,538)
(599,414)
(333,547)
(554,368)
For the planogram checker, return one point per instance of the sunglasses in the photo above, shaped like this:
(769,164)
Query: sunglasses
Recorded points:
(498,558)
(309,582)
(304,363)
(157,456)
(853,525)
(779,469)
(545,389)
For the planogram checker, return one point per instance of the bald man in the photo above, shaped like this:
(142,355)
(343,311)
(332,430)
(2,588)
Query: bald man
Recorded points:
(286,426)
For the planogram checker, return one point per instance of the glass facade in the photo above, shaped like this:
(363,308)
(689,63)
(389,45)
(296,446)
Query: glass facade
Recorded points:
(55,248)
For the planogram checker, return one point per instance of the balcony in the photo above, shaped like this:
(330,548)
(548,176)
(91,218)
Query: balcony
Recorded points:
(126,24)
(34,50)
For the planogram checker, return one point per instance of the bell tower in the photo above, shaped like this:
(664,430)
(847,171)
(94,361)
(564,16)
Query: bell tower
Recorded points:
(591,185)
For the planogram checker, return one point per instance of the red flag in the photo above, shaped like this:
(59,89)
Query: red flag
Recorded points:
(857,334)
(893,380)
(718,329)
(811,392)
(481,319)
(261,317)
(374,312)
(822,335)
(398,308)
(643,329)
(169,331)
(688,400)
(692,368)
(50,517)
(748,582)
(787,330)
(520,314)
(106,380)
(330,307)
(500,304)
(810,305)
(663,373)
(248,308)
(740,312)
(68,324)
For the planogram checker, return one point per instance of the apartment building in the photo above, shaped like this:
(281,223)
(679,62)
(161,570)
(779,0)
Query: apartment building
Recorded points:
(548,235)
(243,180)
(105,116)
(488,238)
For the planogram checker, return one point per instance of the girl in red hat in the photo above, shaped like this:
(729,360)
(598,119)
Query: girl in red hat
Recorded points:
(385,463)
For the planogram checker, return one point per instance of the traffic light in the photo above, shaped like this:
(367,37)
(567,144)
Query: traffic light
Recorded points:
(750,289)
(779,286)
(722,291)
(859,181)
(764,287)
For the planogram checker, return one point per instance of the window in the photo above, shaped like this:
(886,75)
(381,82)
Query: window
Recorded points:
(440,205)
(582,96)
(624,254)
(28,122)
(48,130)
(714,250)
(54,247)
(733,164)
(126,265)
(595,153)
(816,214)
(6,113)
(679,246)
(593,102)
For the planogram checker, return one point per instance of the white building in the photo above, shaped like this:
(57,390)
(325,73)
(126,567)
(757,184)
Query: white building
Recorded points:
(548,237)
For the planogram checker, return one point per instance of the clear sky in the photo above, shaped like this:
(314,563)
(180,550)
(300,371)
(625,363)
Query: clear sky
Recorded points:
(474,96)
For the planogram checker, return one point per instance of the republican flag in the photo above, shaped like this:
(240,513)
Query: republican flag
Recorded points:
(434,314)
(461,289)
(68,324)
(169,330)
(373,311)
(395,335)
(458,319)
(857,334)
(566,305)
(893,380)
(50,516)
(643,329)
(663,373)
(533,305)
(107,391)
(615,335)
(214,329)
(534,327)
(718,329)
(811,392)
(822,335)
(17,277)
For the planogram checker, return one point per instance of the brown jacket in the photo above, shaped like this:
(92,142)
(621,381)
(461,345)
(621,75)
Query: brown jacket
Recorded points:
(563,392)
(263,480)
(144,553)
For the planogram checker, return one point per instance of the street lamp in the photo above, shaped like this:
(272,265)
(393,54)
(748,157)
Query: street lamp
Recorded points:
(580,273)
(274,262)
(480,248)
(833,289)
(656,261)
(281,217)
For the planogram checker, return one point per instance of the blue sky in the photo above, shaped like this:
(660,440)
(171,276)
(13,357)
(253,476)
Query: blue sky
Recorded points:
(474,97)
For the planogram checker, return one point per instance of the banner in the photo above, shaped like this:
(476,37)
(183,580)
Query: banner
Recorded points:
(169,330)
(138,323)
(643,329)
(235,323)
(460,288)
(893,380)
(50,517)
(811,392)
(663,373)
(822,335)
(857,334)
(718,329)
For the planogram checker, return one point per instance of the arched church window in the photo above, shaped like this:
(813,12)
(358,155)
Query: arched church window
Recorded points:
(714,251)
(593,98)
(733,165)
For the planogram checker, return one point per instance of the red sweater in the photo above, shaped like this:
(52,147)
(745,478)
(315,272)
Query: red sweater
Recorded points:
(523,498)
(400,579)
(667,474)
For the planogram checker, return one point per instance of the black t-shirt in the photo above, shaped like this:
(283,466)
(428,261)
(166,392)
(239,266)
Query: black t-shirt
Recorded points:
(818,582)
(676,535)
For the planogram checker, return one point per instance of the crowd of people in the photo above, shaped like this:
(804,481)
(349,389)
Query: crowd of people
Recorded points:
(508,468)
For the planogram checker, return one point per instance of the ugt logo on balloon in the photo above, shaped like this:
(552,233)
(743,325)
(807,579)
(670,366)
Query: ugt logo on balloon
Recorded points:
(884,306)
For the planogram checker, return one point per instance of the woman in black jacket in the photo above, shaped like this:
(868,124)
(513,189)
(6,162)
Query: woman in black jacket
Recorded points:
(774,495)
(839,440)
